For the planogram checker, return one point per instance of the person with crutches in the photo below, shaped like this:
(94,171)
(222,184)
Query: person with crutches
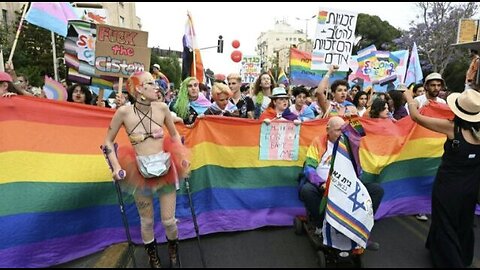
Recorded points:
(152,163)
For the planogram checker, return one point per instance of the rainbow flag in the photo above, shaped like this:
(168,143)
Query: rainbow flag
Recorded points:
(54,89)
(53,16)
(300,72)
(322,17)
(282,77)
(59,203)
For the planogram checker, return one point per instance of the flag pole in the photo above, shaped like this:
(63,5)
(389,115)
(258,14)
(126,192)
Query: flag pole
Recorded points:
(2,67)
(18,32)
(193,45)
(54,50)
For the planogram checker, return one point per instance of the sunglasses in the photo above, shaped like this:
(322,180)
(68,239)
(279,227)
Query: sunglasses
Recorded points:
(193,85)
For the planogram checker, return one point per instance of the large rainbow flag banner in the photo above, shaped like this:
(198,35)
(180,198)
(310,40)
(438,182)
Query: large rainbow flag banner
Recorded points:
(58,202)
(302,74)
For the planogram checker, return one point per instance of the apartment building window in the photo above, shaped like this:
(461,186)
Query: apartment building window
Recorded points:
(122,21)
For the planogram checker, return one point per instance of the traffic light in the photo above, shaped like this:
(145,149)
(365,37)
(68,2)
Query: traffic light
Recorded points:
(220,44)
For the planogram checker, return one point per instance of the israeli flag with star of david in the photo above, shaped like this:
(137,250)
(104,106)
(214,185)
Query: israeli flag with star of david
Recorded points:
(349,208)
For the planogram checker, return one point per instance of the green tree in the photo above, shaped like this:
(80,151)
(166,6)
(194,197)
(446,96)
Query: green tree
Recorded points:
(372,30)
(33,54)
(170,66)
(435,32)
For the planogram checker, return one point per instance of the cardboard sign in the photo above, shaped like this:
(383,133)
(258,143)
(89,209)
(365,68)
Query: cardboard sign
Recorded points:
(119,52)
(334,39)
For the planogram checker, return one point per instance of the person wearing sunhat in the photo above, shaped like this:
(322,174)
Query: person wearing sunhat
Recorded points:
(7,88)
(455,190)
(278,107)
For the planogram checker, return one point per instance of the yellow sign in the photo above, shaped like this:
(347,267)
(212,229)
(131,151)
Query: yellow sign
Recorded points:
(468,30)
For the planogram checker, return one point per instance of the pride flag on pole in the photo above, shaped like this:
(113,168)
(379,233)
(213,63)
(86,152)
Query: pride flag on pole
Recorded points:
(54,89)
(282,77)
(192,61)
(414,71)
(300,72)
(53,16)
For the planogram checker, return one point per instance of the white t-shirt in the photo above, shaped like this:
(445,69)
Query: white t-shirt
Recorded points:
(422,100)
(324,165)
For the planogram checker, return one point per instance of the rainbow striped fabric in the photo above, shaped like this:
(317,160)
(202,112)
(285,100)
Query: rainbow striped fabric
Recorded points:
(301,74)
(58,202)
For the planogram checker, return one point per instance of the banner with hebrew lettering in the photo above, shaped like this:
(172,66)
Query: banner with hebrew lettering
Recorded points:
(251,68)
(334,39)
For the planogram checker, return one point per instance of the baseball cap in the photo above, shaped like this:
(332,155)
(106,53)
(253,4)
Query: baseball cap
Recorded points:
(5,77)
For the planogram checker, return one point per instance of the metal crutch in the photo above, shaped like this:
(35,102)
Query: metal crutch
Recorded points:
(194,217)
(122,175)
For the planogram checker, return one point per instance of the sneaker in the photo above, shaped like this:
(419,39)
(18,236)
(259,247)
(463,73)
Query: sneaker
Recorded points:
(318,231)
(373,246)
(422,217)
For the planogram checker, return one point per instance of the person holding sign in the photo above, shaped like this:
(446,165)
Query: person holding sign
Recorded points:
(153,164)
(316,169)
(451,238)
(339,105)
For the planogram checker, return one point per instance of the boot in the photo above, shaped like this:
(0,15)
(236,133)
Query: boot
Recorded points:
(152,253)
(173,253)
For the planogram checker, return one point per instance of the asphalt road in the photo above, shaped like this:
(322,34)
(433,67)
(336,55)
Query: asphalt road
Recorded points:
(401,246)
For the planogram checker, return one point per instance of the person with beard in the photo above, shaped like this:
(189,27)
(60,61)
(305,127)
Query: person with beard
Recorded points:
(433,84)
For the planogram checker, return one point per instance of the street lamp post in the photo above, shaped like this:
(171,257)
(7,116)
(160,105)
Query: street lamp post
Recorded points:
(306,24)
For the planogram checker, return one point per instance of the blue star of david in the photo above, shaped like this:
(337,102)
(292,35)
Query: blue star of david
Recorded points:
(353,198)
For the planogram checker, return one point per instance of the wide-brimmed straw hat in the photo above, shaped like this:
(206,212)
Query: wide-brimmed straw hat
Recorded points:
(465,105)
(279,92)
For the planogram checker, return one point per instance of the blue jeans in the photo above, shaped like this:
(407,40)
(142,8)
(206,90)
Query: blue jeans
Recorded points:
(312,195)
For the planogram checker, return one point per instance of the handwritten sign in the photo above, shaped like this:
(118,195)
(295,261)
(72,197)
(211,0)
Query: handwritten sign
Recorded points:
(120,51)
(388,68)
(279,141)
(251,68)
(468,30)
(334,39)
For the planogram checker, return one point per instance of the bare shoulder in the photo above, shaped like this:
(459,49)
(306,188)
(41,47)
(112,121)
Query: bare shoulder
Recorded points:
(160,105)
(123,110)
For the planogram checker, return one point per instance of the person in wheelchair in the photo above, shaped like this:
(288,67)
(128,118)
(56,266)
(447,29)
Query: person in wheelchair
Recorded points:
(315,173)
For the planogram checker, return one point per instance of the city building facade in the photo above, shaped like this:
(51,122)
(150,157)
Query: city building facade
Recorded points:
(273,46)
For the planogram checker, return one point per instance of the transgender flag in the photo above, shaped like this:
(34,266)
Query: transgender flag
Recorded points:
(53,16)
(414,71)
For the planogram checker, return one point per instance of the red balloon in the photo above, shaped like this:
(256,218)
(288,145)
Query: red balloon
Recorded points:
(236,56)
(235,44)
